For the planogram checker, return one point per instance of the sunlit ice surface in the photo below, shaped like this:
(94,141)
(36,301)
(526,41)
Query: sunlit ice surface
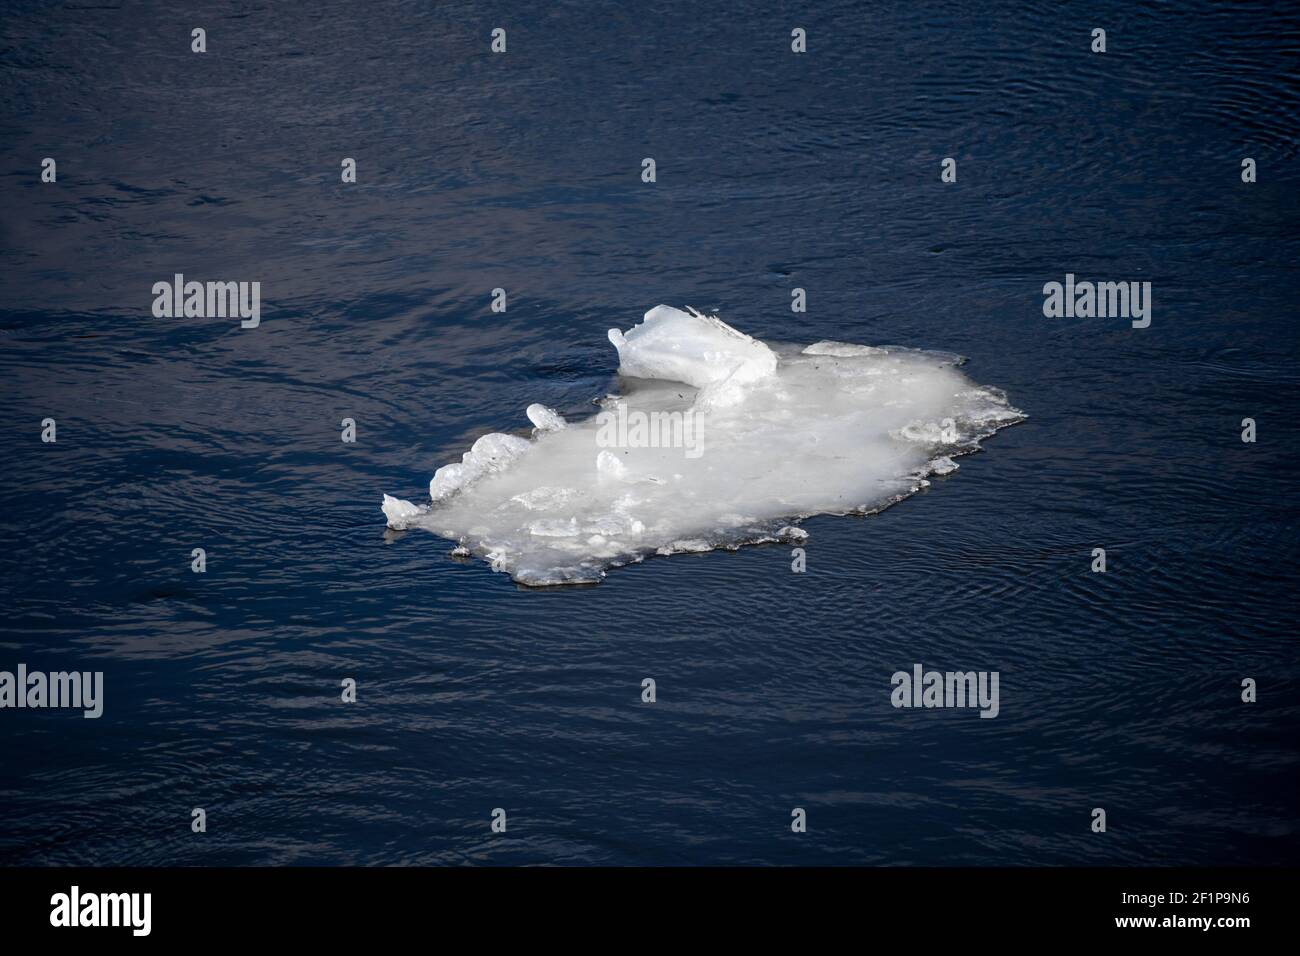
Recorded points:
(714,440)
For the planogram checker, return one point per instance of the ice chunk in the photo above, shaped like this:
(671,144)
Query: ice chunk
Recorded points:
(714,440)
(841,349)
(399,512)
(688,347)
(608,466)
(554,528)
(491,453)
(546,498)
(545,419)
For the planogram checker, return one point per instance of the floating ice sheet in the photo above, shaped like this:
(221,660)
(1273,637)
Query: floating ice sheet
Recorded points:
(715,440)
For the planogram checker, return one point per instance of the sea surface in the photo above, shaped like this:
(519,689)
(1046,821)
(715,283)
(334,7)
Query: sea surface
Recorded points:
(522,171)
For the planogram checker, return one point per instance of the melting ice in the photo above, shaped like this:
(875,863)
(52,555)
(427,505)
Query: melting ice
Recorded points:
(715,440)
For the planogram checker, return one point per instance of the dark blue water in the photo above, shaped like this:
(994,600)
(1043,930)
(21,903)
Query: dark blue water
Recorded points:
(775,170)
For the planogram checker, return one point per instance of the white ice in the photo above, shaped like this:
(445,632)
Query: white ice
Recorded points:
(751,437)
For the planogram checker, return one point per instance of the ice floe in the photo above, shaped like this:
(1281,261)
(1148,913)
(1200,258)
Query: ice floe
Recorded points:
(715,440)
